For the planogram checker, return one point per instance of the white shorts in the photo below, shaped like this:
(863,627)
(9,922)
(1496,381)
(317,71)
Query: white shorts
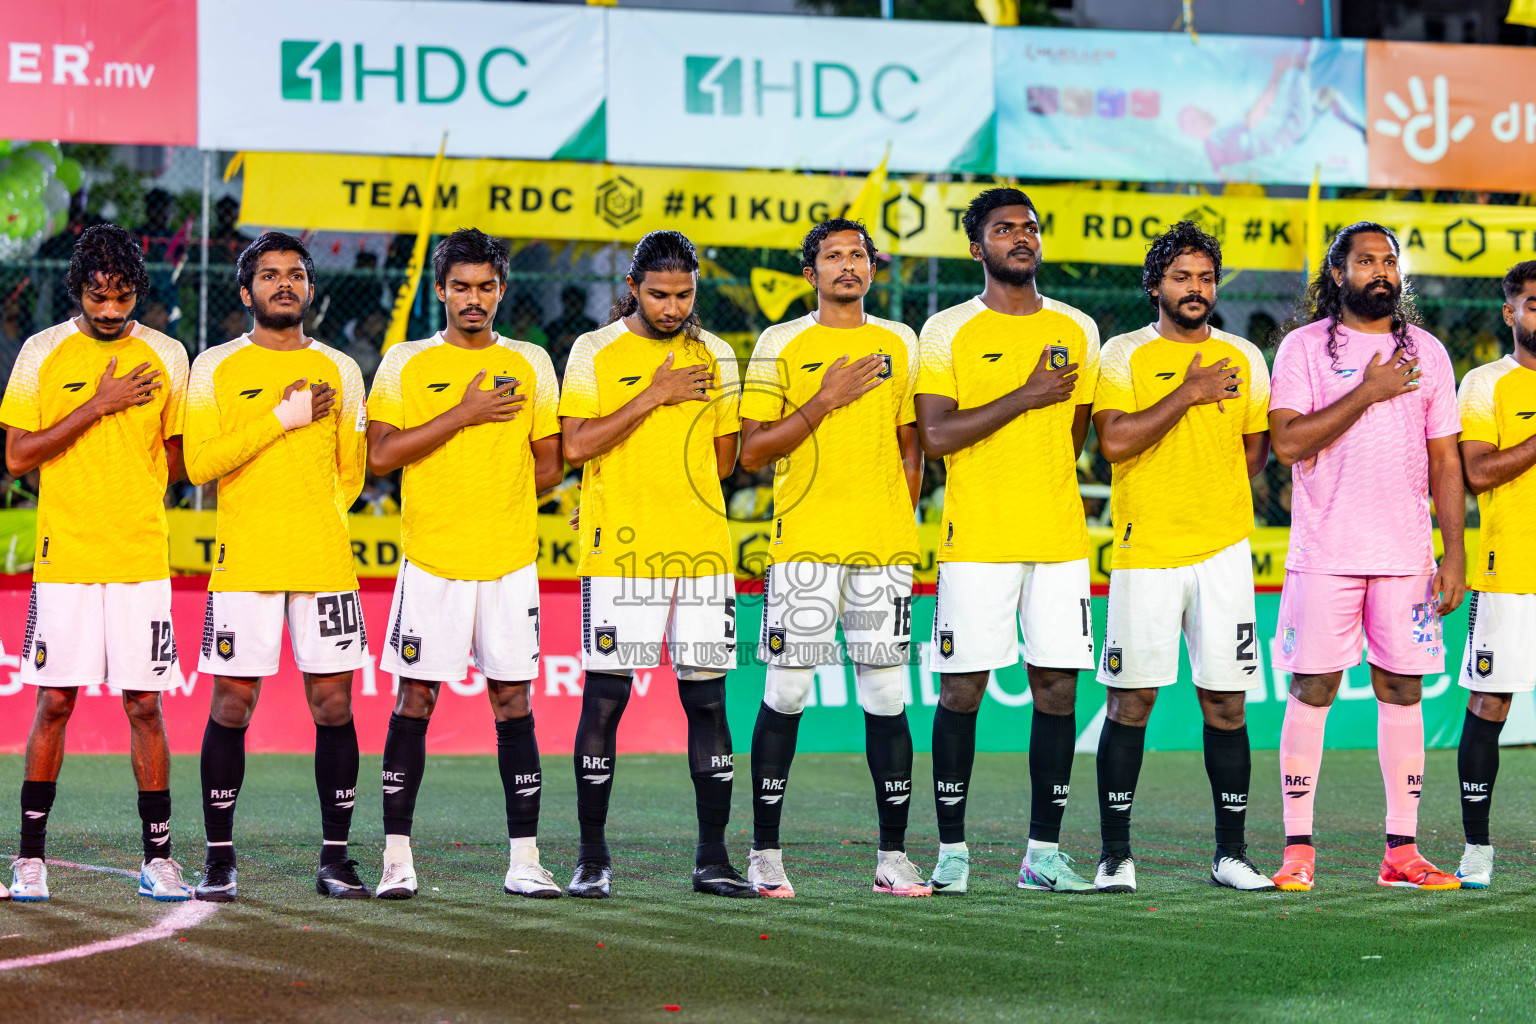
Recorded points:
(437,624)
(85,634)
(243,632)
(625,621)
(1500,656)
(979,603)
(804,602)
(1210,602)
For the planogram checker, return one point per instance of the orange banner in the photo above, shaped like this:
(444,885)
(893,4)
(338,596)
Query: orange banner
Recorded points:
(1451,117)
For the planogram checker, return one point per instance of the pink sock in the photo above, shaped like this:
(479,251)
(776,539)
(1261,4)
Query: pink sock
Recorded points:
(1301,755)
(1400,746)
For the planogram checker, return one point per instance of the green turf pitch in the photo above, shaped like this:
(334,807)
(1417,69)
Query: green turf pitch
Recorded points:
(464,951)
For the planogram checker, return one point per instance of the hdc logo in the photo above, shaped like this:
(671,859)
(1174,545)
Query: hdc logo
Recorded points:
(316,70)
(721,86)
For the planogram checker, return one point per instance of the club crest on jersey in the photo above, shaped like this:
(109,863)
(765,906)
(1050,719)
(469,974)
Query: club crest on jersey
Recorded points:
(775,641)
(606,638)
(1288,640)
(1112,660)
(224,645)
(1058,357)
(410,649)
(1485,663)
(40,656)
(501,382)
(946,643)
(884,372)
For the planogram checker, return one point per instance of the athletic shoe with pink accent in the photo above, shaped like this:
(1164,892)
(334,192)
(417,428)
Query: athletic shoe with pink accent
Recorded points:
(765,873)
(1404,867)
(898,876)
(1298,867)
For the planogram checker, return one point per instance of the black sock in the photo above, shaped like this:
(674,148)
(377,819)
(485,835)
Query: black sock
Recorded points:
(888,748)
(36,802)
(603,697)
(336,782)
(1477,761)
(223,773)
(1229,765)
(1051,739)
(1120,751)
(710,763)
(954,752)
(517,757)
(773,748)
(1305,840)
(155,815)
(405,758)
(1393,842)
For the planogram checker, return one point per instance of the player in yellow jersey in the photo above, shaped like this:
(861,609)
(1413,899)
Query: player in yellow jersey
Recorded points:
(96,405)
(648,409)
(827,399)
(278,420)
(1498,449)
(1003,397)
(471,418)
(1182,411)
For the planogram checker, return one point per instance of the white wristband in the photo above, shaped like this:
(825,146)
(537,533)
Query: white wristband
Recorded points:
(297,410)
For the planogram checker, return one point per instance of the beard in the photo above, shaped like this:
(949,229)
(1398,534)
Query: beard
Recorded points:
(1006,274)
(272,320)
(1525,339)
(1371,302)
(472,328)
(661,332)
(1186,321)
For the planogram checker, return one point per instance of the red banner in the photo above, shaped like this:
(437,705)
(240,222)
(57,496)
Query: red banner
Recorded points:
(93,71)
(461,724)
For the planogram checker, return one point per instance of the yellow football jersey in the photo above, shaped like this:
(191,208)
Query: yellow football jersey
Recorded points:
(101,506)
(283,496)
(842,495)
(652,505)
(470,505)
(1186,497)
(1498,405)
(1012,496)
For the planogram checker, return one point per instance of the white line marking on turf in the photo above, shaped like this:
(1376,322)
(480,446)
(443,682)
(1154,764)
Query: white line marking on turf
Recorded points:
(92,867)
(184,915)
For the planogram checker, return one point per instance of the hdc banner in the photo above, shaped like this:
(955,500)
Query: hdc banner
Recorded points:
(380,75)
(736,90)
(1144,106)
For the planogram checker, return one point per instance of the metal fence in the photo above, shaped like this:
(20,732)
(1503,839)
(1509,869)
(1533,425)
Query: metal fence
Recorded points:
(556,291)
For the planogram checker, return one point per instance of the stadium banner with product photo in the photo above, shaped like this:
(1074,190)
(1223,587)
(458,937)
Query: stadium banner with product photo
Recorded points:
(654,722)
(742,90)
(560,200)
(1450,116)
(511,80)
(84,71)
(1144,106)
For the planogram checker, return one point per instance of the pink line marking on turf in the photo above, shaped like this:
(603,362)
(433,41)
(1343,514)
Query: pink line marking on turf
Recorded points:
(184,915)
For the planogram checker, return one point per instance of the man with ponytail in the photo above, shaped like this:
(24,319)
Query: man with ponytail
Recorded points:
(1363,408)
(649,409)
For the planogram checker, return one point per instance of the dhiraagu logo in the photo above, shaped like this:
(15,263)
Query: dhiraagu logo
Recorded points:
(737,87)
(322,70)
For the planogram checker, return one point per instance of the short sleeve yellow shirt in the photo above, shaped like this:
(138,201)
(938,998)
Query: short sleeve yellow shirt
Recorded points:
(470,506)
(652,505)
(1012,496)
(283,496)
(1188,496)
(842,495)
(101,510)
(1498,405)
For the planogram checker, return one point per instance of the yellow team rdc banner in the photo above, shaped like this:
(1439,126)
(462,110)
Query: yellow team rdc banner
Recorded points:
(773,209)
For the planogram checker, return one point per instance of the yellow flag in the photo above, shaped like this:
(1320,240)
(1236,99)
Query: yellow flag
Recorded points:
(1521,12)
(999,12)
(774,291)
(401,317)
(866,205)
(1312,251)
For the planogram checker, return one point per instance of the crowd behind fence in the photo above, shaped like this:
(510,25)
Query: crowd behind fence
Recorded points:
(557,291)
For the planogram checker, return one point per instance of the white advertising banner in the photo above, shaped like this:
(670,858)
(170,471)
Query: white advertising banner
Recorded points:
(386,76)
(734,90)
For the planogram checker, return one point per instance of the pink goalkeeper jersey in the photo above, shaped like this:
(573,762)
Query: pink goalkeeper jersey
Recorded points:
(1360,507)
